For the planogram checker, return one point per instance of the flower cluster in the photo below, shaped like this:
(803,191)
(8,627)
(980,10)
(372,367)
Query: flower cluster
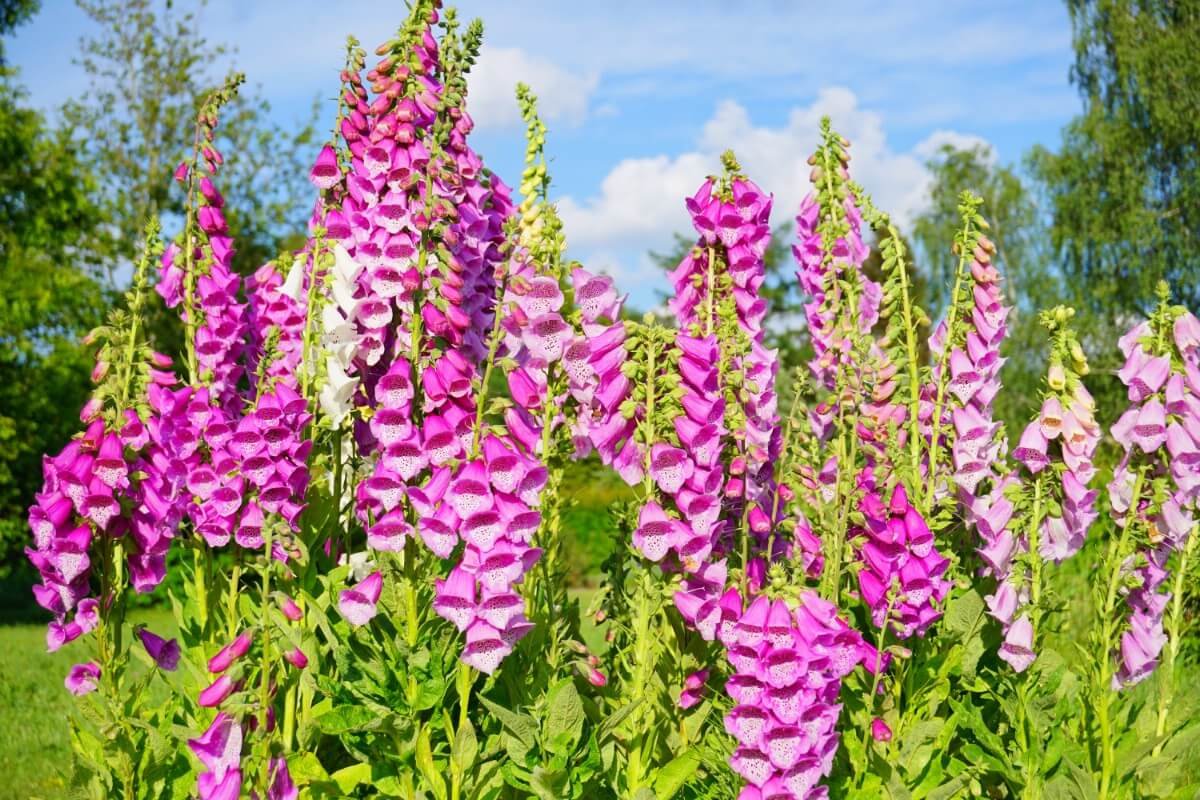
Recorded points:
(830,253)
(902,572)
(100,486)
(419,266)
(974,377)
(1163,379)
(1043,514)
(77,501)
(788,665)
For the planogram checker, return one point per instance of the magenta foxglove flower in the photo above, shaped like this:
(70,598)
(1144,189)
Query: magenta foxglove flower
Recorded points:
(880,731)
(216,692)
(788,665)
(901,566)
(227,788)
(282,787)
(165,652)
(231,652)
(83,678)
(219,749)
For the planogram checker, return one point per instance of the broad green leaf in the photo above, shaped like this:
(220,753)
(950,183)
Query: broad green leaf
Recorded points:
(429,770)
(671,777)
(354,775)
(306,768)
(521,730)
(348,719)
(465,746)
(565,712)
(548,784)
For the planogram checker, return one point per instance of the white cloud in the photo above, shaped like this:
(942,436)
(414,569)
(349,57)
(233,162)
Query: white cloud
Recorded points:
(640,202)
(931,144)
(562,94)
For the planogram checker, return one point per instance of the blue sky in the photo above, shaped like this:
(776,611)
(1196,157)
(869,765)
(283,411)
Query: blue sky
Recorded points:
(642,97)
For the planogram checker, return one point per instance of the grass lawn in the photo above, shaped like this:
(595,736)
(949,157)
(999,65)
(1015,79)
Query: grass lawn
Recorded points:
(34,706)
(34,747)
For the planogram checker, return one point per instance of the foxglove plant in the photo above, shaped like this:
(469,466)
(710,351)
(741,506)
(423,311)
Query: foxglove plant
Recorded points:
(1153,494)
(1041,513)
(426,257)
(842,311)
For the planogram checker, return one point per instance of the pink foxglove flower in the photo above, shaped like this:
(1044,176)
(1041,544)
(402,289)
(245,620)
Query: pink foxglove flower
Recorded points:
(219,749)
(788,665)
(1159,435)
(358,605)
(83,678)
(902,570)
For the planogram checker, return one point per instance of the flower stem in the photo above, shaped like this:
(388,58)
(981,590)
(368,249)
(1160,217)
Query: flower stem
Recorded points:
(265,678)
(1107,632)
(1175,625)
(943,382)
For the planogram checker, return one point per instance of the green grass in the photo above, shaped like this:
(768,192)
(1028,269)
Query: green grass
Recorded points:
(34,705)
(35,755)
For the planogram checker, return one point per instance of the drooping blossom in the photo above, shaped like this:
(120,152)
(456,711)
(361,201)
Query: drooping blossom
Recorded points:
(83,678)
(787,669)
(164,652)
(901,578)
(219,750)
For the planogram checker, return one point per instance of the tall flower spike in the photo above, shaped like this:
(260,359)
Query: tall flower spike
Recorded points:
(412,321)
(956,407)
(1155,433)
(1043,513)
(101,472)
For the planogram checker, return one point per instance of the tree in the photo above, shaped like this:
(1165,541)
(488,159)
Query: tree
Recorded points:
(149,71)
(1125,188)
(1022,256)
(49,235)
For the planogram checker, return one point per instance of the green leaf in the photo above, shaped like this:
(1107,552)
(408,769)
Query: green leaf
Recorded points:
(305,768)
(521,730)
(671,777)
(429,770)
(348,719)
(613,720)
(964,614)
(354,775)
(565,713)
(465,746)
(548,784)
(917,745)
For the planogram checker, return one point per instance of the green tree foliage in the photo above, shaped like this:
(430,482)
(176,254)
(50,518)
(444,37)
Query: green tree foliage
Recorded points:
(1125,187)
(1019,233)
(49,234)
(150,67)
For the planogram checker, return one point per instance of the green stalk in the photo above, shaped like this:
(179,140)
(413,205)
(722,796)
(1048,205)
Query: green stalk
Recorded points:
(489,364)
(1108,630)
(1175,630)
(264,697)
(1032,789)
(870,700)
(939,405)
(914,367)
(189,266)
(309,318)
(710,301)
